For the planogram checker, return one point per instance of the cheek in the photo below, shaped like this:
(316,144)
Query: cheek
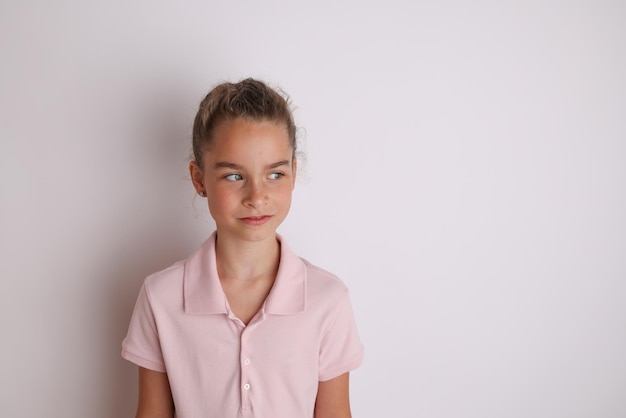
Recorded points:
(286,193)
(219,197)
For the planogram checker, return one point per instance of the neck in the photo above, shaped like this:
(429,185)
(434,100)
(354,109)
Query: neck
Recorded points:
(243,260)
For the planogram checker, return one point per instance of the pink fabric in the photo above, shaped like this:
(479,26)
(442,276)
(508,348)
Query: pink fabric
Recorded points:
(218,367)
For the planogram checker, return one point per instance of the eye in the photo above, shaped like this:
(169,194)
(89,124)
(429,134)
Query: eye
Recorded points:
(276,175)
(233,177)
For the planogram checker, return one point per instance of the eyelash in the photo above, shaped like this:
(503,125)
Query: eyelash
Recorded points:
(278,174)
(239,177)
(229,177)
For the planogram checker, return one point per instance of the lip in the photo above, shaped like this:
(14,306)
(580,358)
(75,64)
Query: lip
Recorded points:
(255,220)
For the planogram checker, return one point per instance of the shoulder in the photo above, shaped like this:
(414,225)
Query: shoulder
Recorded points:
(195,265)
(322,283)
(321,275)
(317,281)
(164,281)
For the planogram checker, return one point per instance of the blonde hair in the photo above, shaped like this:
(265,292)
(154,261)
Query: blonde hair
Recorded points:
(250,99)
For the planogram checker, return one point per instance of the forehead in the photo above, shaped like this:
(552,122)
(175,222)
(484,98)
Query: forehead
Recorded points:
(245,141)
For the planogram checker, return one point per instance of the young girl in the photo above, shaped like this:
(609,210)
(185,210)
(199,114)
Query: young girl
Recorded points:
(243,327)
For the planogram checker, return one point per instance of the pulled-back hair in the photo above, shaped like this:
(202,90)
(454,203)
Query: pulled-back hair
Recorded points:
(248,99)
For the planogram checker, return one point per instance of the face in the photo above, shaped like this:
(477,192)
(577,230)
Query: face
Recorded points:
(248,176)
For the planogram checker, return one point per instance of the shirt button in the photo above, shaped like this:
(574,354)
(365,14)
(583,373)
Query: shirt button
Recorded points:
(246,361)
(246,386)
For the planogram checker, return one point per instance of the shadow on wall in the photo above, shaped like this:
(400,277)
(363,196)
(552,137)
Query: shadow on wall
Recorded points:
(150,230)
(119,379)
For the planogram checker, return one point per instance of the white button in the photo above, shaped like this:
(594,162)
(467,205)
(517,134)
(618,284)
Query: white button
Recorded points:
(246,361)
(246,386)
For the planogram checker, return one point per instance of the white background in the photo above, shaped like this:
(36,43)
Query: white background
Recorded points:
(465,176)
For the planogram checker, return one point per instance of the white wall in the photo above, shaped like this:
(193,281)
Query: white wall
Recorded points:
(465,177)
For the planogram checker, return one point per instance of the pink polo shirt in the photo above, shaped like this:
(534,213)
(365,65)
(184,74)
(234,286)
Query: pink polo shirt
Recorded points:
(219,367)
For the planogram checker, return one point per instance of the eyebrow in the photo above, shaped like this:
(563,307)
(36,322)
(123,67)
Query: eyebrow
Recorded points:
(233,166)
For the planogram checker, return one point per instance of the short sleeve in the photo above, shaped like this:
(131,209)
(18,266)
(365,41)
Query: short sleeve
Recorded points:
(341,350)
(141,345)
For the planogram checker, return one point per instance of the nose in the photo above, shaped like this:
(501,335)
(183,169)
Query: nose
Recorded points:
(256,195)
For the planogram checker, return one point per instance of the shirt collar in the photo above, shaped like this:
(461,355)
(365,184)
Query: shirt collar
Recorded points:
(203,293)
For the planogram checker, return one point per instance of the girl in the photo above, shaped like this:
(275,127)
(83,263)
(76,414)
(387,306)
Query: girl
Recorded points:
(243,327)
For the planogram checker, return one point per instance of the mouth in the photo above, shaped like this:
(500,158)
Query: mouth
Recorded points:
(255,220)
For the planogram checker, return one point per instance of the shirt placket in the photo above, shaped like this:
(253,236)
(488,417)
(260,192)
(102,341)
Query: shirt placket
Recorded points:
(246,355)
(244,359)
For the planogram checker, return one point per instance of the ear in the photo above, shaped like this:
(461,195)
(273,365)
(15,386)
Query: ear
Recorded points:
(197,177)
